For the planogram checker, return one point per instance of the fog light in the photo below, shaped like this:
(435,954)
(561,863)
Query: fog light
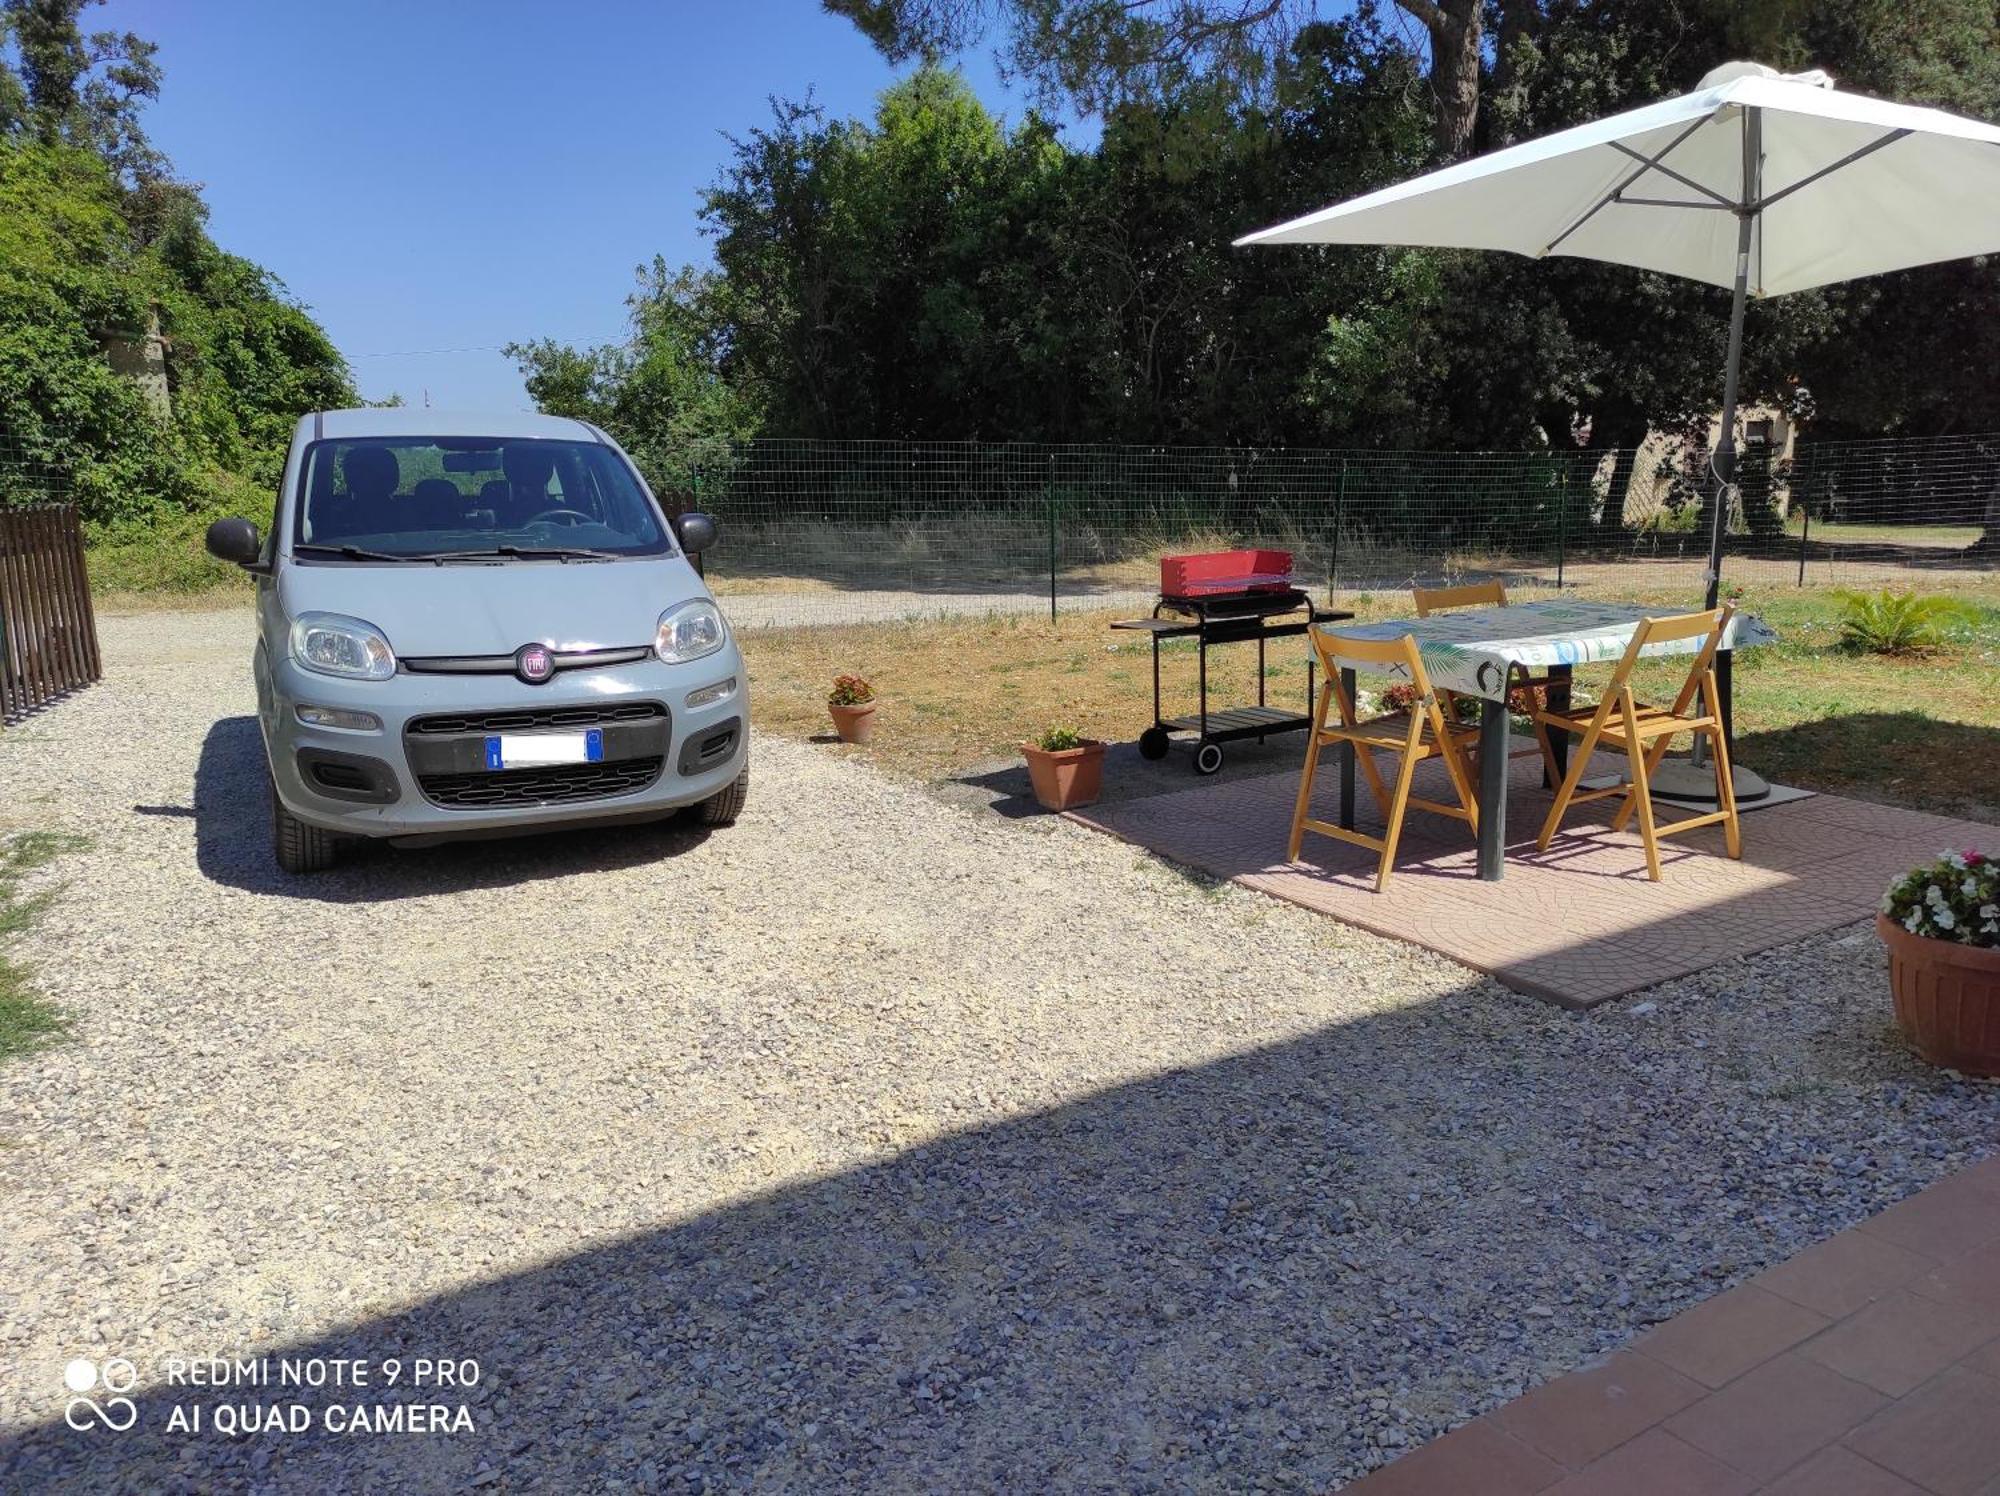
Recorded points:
(333,716)
(722,690)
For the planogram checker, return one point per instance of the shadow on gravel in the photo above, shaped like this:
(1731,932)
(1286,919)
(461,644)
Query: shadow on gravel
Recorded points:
(1198,1280)
(232,814)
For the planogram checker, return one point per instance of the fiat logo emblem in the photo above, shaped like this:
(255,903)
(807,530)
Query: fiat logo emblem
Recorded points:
(534,663)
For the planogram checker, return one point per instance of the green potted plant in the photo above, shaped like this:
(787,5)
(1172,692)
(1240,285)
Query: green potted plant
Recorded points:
(852,705)
(1066,768)
(1941,924)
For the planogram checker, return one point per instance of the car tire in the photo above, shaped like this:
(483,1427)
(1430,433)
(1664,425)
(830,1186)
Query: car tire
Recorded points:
(723,807)
(299,847)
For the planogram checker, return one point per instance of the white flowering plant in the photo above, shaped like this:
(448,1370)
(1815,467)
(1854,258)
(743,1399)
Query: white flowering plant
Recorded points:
(1955,898)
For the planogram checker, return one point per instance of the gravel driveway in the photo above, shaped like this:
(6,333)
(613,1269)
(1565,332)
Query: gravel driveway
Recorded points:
(873,1142)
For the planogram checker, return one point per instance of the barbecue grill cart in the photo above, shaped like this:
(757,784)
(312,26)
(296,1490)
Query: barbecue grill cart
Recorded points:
(1226,597)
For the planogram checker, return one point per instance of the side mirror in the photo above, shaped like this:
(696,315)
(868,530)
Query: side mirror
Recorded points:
(234,540)
(696,530)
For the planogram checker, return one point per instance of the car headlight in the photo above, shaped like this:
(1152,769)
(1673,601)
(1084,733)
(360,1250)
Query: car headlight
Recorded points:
(333,644)
(689,631)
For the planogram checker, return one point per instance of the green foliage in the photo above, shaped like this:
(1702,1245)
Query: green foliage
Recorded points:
(663,392)
(99,243)
(1956,898)
(1889,622)
(934,273)
(66,270)
(1671,519)
(1060,739)
(1073,295)
(165,553)
(850,690)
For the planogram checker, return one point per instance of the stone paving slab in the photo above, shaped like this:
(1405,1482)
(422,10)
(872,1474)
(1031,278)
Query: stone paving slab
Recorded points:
(1862,1367)
(1578,924)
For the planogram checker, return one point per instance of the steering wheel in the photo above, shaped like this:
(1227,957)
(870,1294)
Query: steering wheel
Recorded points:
(565,516)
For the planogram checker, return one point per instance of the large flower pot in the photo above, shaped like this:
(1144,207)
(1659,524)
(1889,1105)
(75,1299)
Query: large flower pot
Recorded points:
(855,724)
(1067,777)
(1947,998)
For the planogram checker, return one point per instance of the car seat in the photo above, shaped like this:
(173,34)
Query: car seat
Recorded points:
(372,475)
(436,504)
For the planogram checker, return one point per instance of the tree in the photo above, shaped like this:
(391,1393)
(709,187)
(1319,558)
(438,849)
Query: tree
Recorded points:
(99,242)
(928,272)
(1099,54)
(1457,37)
(662,392)
(85,90)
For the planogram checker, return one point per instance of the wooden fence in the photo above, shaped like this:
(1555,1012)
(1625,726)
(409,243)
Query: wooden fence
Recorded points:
(48,634)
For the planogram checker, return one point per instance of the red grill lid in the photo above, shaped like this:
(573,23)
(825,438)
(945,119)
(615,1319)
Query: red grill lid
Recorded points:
(1222,573)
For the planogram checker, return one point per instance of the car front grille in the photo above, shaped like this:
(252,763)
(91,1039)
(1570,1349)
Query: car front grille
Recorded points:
(556,784)
(447,754)
(539,719)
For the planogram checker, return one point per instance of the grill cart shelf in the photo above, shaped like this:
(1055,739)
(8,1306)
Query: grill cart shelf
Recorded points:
(1260,614)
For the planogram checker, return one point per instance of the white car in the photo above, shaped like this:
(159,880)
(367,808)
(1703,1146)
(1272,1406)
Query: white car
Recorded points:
(480,623)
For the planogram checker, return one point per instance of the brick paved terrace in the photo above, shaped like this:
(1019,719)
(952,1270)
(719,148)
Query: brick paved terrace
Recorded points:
(1868,1365)
(1578,924)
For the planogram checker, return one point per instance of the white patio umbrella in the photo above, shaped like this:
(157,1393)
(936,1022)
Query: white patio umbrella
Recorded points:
(1762,182)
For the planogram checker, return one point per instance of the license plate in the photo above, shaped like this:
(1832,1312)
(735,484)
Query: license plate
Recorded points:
(534,750)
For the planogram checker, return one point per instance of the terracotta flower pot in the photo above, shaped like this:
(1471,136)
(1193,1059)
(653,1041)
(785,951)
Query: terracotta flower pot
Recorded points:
(1067,777)
(855,724)
(1947,998)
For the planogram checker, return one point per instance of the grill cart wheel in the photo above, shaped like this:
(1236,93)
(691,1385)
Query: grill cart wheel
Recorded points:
(1153,743)
(1208,758)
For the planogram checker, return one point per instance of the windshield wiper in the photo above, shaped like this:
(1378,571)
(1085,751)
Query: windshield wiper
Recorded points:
(533,553)
(357,553)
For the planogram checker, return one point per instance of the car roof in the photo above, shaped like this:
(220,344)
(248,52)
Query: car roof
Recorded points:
(404,420)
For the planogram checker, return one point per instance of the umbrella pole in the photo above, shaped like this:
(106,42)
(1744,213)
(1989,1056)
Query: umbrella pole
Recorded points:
(1725,447)
(1692,779)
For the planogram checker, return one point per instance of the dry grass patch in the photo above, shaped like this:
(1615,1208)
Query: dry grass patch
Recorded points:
(960,692)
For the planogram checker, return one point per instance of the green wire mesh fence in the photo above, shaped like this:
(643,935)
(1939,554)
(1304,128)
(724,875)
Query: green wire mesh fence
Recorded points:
(854,531)
(831,532)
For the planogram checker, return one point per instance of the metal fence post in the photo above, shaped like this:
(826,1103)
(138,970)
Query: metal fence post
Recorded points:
(1333,561)
(1052,553)
(1805,529)
(1562,524)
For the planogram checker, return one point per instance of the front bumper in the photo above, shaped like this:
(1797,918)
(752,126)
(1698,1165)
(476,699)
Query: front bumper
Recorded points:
(423,772)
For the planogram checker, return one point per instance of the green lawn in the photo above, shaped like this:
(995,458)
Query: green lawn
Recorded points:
(1944,537)
(1919,731)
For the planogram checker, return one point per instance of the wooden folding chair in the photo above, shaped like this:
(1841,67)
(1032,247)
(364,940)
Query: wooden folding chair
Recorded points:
(1420,733)
(1492,593)
(1643,732)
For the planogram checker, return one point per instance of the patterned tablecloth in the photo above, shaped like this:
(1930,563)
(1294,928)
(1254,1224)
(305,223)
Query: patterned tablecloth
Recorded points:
(1470,652)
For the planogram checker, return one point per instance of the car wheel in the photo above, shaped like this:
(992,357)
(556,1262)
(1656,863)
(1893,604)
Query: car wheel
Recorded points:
(722,808)
(299,847)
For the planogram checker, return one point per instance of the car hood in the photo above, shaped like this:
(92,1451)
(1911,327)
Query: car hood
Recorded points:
(467,609)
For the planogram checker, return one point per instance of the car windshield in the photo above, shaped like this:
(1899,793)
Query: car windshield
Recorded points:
(501,499)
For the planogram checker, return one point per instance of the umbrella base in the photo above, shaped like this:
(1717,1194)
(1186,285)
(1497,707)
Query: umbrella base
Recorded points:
(1694,784)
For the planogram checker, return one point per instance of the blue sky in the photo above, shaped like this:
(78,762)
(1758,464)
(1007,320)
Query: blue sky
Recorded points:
(452,176)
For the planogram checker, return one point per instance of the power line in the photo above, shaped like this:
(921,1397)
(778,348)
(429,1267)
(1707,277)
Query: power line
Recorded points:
(473,348)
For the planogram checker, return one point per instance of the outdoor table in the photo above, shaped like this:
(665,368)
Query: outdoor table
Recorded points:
(1472,653)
